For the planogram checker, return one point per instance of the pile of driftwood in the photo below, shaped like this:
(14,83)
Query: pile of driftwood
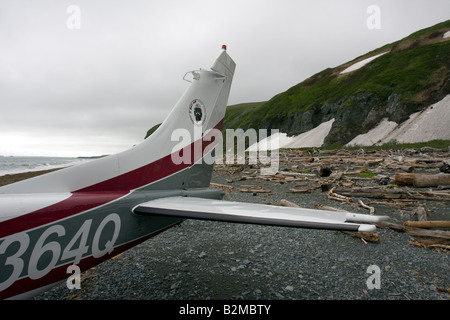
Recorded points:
(403,179)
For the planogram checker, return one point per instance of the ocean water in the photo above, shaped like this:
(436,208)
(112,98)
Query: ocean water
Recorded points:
(11,165)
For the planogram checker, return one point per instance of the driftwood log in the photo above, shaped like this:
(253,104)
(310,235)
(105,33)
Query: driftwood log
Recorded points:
(421,180)
(428,224)
(426,237)
(390,194)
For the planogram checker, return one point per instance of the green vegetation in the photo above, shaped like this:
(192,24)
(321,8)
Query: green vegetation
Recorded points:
(415,67)
(366,175)
(412,75)
(151,130)
(240,113)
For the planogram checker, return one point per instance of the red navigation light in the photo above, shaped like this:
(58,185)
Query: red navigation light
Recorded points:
(224,47)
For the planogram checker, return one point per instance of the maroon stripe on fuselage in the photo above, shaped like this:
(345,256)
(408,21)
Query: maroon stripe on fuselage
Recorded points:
(76,203)
(101,193)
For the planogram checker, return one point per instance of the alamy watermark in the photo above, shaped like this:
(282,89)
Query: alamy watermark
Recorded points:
(373,22)
(73,22)
(74,280)
(210,147)
(374,280)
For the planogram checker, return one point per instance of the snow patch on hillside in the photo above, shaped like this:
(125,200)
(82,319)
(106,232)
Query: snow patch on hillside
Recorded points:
(375,135)
(312,138)
(433,123)
(362,63)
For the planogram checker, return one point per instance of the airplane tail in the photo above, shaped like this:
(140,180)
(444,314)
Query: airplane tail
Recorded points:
(176,150)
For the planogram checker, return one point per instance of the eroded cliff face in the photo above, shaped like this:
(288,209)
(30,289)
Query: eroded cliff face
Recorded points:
(353,116)
(395,93)
(361,113)
(398,80)
(391,82)
(365,112)
(356,114)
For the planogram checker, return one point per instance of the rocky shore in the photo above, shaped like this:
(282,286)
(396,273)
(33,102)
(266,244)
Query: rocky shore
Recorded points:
(202,260)
(11,178)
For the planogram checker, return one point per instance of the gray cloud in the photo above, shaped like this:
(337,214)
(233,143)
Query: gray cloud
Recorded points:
(97,89)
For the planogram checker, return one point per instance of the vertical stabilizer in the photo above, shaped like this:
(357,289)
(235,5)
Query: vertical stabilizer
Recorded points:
(199,110)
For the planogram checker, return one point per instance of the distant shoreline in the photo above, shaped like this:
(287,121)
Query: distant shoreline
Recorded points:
(15,177)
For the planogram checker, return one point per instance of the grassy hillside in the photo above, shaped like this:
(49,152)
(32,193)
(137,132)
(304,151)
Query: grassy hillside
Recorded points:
(412,75)
(236,113)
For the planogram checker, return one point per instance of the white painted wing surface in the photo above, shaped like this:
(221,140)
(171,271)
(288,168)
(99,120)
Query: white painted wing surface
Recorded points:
(242,212)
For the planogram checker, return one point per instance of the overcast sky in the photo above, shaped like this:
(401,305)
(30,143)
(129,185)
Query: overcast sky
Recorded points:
(92,79)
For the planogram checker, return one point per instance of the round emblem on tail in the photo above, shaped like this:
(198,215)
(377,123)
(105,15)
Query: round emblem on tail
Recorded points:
(197,112)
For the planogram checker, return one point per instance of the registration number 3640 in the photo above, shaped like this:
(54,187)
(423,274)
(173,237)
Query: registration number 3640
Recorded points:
(21,259)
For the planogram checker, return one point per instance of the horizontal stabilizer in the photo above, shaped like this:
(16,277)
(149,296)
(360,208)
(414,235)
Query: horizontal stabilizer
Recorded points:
(242,212)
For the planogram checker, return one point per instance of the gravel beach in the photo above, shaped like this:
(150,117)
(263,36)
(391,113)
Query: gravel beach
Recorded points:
(202,260)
